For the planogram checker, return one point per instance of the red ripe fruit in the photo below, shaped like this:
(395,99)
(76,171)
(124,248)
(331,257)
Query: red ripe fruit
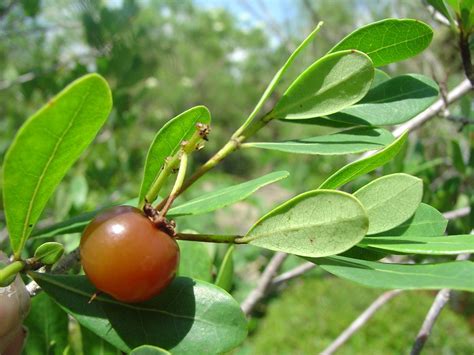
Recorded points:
(126,256)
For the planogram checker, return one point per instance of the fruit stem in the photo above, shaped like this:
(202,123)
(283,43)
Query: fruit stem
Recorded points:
(210,238)
(177,184)
(8,273)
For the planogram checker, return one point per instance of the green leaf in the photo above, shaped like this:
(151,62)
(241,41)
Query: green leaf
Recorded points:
(49,253)
(332,83)
(427,222)
(457,157)
(195,261)
(325,121)
(379,77)
(225,276)
(75,224)
(315,223)
(364,166)
(167,142)
(149,350)
(394,101)
(389,40)
(453,244)
(93,344)
(352,141)
(48,327)
(188,317)
(46,147)
(390,200)
(279,74)
(441,7)
(457,275)
(217,199)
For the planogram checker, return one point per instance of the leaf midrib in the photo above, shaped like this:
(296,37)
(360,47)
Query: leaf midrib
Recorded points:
(397,44)
(296,228)
(48,163)
(326,89)
(126,305)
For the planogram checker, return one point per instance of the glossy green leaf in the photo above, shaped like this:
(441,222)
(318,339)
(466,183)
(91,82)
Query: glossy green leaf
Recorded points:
(49,253)
(390,200)
(427,222)
(149,350)
(195,261)
(48,329)
(225,276)
(332,83)
(352,141)
(279,74)
(217,199)
(441,245)
(167,142)
(59,133)
(315,223)
(188,317)
(457,275)
(389,40)
(364,166)
(93,344)
(393,102)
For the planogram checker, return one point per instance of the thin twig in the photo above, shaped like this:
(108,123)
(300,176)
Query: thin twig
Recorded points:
(293,273)
(264,283)
(437,107)
(459,213)
(360,321)
(434,109)
(441,299)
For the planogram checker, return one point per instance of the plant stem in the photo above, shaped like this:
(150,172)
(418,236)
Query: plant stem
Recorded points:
(8,273)
(210,238)
(177,184)
(169,166)
(161,179)
(232,145)
(466,54)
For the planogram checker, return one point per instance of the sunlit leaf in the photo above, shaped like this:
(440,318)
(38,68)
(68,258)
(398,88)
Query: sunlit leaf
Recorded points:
(315,223)
(390,200)
(46,147)
(427,222)
(363,166)
(167,142)
(214,200)
(389,40)
(393,102)
(332,83)
(352,141)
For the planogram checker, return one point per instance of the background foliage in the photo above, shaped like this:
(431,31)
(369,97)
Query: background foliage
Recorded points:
(163,57)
